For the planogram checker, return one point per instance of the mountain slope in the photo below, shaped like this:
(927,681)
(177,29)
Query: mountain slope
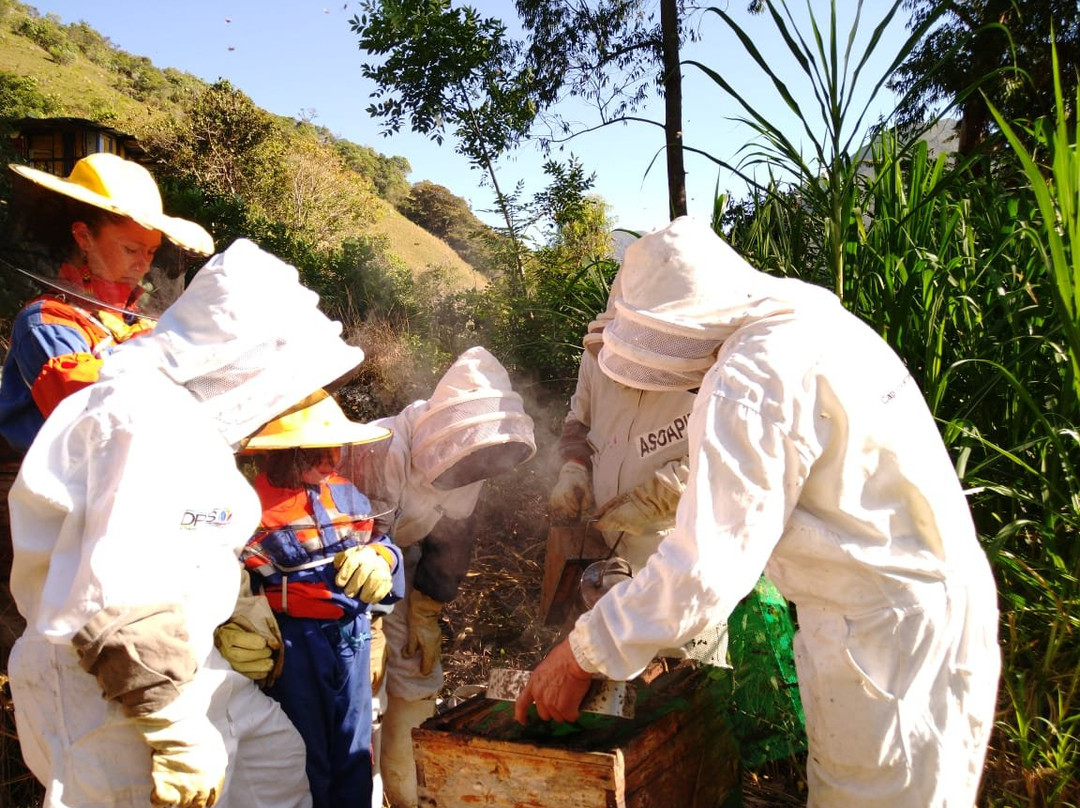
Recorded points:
(54,55)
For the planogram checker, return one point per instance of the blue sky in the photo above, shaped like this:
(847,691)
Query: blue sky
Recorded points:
(299,58)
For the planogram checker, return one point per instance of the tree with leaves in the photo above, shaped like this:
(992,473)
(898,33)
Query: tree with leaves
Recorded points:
(988,50)
(448,69)
(224,143)
(389,174)
(613,54)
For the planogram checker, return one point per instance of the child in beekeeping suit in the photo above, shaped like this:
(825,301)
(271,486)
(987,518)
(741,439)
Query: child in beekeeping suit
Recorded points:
(320,567)
(473,427)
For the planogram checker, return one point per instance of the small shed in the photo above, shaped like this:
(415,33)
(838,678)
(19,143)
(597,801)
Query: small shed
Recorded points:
(56,144)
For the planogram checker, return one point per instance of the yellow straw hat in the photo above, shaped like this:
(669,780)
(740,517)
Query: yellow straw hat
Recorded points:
(315,422)
(121,186)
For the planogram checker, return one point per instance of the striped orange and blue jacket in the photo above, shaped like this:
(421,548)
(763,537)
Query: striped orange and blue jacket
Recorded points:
(56,349)
(290,558)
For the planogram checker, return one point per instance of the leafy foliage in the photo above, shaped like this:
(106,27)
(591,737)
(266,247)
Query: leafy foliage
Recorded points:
(388,174)
(614,54)
(448,67)
(20,97)
(443,66)
(448,216)
(988,52)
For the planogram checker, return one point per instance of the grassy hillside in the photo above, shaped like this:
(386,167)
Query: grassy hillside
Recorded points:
(420,250)
(80,87)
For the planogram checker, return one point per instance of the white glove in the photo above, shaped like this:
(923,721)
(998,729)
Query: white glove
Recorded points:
(189,760)
(572,497)
(365,572)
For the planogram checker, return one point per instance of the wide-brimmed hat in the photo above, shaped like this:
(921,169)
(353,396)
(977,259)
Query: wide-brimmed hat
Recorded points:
(121,186)
(316,422)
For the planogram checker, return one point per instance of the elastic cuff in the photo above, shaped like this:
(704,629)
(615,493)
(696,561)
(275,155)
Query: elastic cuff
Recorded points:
(578,650)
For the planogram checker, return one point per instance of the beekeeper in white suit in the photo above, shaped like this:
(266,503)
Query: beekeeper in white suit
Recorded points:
(472,428)
(623,449)
(814,457)
(127,519)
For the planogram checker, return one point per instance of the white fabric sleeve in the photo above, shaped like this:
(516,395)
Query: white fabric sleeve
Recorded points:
(581,400)
(745,478)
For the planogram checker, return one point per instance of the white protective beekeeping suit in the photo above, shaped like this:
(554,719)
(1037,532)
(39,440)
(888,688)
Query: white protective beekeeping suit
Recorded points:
(473,427)
(634,438)
(814,457)
(128,516)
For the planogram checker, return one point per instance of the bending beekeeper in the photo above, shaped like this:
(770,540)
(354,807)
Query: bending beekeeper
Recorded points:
(128,517)
(627,449)
(814,457)
(474,427)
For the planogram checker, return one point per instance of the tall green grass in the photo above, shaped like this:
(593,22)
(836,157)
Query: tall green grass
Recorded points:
(973,278)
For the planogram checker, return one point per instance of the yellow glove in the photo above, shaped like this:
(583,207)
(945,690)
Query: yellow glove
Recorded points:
(251,641)
(634,512)
(365,572)
(189,760)
(572,496)
(246,651)
(424,634)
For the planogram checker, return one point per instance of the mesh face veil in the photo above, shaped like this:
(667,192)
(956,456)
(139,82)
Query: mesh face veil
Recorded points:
(474,426)
(643,355)
(682,291)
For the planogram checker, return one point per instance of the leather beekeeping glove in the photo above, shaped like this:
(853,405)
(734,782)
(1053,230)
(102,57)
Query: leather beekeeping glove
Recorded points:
(572,496)
(251,641)
(640,508)
(378,654)
(424,634)
(365,572)
(189,759)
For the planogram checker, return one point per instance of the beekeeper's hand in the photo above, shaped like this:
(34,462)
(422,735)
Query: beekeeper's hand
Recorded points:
(572,497)
(188,762)
(251,641)
(424,633)
(365,572)
(247,652)
(635,511)
(557,686)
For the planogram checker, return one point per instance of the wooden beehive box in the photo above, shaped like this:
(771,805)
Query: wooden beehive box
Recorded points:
(677,752)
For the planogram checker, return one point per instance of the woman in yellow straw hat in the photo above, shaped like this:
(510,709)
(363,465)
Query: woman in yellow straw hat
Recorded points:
(91,238)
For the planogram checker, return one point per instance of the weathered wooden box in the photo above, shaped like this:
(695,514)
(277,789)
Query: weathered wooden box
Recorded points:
(678,752)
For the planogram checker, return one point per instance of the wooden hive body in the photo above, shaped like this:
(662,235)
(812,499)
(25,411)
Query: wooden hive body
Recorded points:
(678,752)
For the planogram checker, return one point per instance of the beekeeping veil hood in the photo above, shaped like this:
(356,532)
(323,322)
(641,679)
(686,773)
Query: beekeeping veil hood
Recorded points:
(594,333)
(683,291)
(246,338)
(474,425)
